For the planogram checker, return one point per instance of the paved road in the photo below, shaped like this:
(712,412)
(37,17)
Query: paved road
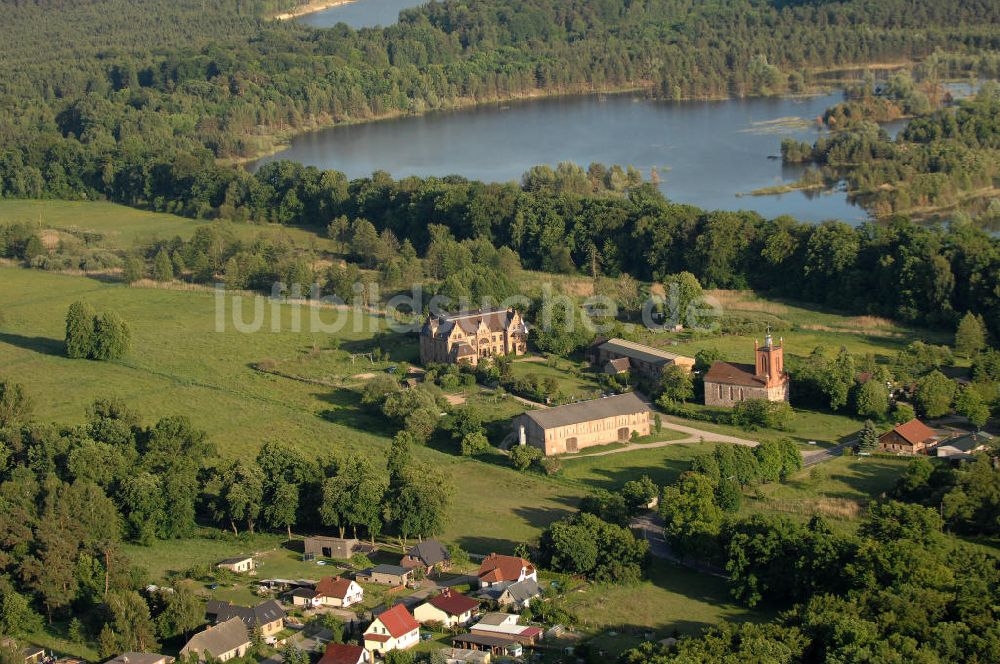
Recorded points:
(821,456)
(651,526)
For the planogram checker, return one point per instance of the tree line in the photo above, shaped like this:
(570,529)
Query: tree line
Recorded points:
(863,596)
(71,495)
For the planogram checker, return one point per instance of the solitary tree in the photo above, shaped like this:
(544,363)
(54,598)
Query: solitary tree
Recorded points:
(15,405)
(868,437)
(969,403)
(163,269)
(970,337)
(133,270)
(80,336)
(934,394)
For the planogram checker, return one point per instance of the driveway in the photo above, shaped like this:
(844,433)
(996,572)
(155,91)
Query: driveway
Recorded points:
(694,435)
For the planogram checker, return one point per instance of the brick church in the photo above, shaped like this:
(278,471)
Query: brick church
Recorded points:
(728,383)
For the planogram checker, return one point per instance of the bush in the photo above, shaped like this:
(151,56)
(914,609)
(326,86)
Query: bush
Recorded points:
(523,456)
(753,414)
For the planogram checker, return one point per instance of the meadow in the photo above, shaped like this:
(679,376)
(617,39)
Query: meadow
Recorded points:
(181,364)
(187,360)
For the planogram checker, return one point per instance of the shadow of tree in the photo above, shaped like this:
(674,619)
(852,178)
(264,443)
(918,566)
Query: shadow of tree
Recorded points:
(43,345)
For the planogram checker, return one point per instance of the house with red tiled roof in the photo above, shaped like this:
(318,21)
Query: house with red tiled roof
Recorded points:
(913,437)
(395,629)
(342,653)
(449,608)
(729,383)
(337,591)
(499,571)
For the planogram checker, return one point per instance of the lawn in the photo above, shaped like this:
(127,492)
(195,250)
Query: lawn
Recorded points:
(662,464)
(672,599)
(571,387)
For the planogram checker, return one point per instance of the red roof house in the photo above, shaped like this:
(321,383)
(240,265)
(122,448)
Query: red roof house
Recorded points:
(341,653)
(338,591)
(449,608)
(913,437)
(499,570)
(394,629)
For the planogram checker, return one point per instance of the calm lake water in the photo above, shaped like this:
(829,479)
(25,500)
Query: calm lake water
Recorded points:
(360,14)
(707,153)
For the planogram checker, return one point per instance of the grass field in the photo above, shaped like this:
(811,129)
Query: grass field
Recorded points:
(123,227)
(662,464)
(838,490)
(181,365)
(672,599)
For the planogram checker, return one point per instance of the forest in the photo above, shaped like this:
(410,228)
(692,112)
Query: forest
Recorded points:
(938,159)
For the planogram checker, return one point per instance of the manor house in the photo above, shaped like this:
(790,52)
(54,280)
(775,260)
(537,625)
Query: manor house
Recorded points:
(469,336)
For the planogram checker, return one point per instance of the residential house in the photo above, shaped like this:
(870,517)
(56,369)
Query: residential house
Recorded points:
(616,356)
(520,594)
(428,556)
(240,564)
(386,575)
(913,437)
(499,571)
(449,608)
(222,642)
(305,597)
(140,658)
(338,591)
(31,654)
(267,616)
(395,629)
(576,426)
(320,546)
(342,653)
(964,446)
(505,625)
(729,383)
(467,337)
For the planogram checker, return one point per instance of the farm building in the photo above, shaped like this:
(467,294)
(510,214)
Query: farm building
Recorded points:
(616,356)
(584,424)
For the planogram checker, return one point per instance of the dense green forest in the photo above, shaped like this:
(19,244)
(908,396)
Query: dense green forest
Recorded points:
(939,158)
(108,80)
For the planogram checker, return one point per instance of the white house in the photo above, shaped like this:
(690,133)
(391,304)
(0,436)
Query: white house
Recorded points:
(338,591)
(449,608)
(395,629)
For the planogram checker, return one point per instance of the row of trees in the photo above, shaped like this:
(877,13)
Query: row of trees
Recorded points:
(69,496)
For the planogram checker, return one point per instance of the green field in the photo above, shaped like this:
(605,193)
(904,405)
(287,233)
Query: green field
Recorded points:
(662,464)
(123,227)
(182,365)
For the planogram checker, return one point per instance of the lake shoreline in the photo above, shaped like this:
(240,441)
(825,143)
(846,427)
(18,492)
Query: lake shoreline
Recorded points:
(313,7)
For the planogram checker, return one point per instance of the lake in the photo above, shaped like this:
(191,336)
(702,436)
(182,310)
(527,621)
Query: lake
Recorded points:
(708,153)
(360,14)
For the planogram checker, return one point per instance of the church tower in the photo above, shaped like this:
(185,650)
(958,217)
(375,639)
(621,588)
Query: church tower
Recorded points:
(770,361)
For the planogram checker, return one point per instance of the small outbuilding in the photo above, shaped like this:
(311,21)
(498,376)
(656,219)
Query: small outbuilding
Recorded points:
(239,564)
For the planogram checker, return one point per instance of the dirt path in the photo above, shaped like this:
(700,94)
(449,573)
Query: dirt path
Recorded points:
(694,436)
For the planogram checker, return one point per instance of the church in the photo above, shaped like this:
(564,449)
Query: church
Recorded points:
(729,383)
